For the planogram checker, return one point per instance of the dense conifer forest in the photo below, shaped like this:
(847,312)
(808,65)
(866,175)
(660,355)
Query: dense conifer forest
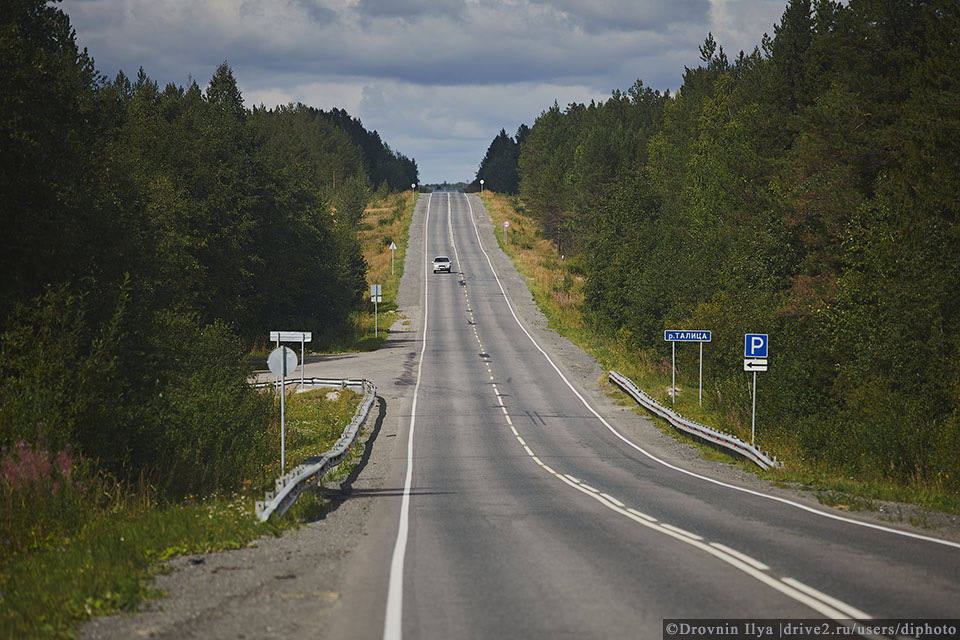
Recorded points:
(810,190)
(150,236)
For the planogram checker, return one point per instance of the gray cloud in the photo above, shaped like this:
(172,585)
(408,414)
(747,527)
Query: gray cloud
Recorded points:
(437,78)
(316,12)
(410,9)
(631,15)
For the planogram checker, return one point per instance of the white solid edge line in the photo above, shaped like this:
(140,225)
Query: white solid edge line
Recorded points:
(742,556)
(641,514)
(869,525)
(749,568)
(850,611)
(613,500)
(393,618)
(682,532)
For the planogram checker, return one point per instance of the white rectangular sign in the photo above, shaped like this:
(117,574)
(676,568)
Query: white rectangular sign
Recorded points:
(754,364)
(682,335)
(290,336)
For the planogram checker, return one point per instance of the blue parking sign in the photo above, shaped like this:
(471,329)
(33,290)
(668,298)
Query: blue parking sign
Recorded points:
(755,345)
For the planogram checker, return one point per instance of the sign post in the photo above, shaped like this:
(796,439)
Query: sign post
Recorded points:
(376,297)
(506,225)
(393,247)
(755,346)
(681,335)
(294,336)
(280,361)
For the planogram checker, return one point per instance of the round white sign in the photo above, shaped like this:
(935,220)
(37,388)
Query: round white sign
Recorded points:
(275,361)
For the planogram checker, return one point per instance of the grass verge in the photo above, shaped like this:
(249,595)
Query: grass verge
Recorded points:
(558,288)
(385,221)
(104,566)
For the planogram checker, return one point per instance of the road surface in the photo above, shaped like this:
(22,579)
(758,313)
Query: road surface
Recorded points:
(526,514)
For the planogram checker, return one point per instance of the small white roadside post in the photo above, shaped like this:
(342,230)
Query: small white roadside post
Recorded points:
(280,361)
(376,297)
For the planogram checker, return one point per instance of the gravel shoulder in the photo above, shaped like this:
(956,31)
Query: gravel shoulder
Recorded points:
(288,587)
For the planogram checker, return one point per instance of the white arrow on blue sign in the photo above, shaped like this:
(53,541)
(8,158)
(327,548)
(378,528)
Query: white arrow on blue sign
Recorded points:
(755,345)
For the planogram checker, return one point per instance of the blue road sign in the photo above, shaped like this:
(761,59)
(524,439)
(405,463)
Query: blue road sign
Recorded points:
(681,335)
(755,345)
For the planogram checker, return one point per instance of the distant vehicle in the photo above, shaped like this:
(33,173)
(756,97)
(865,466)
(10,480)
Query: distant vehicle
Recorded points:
(441,263)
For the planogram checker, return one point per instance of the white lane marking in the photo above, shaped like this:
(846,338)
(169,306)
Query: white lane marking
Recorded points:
(742,556)
(821,605)
(733,560)
(850,612)
(682,532)
(393,619)
(521,441)
(832,516)
(642,515)
(613,500)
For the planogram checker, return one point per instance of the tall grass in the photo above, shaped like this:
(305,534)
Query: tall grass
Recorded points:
(76,543)
(384,221)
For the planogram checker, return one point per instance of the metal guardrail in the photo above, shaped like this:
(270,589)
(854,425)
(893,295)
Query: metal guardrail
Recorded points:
(312,382)
(712,436)
(310,473)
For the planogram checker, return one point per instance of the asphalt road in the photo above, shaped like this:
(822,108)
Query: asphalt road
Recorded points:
(524,514)
(503,495)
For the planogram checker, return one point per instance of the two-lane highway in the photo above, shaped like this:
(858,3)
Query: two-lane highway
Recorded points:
(522,512)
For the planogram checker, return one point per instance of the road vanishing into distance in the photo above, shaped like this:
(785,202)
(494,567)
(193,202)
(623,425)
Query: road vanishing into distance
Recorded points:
(519,511)
(502,494)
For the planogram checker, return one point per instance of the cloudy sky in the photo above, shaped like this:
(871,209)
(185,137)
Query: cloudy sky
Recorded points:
(437,78)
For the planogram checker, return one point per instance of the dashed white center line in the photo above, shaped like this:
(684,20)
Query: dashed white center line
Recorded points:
(613,500)
(741,556)
(641,514)
(682,532)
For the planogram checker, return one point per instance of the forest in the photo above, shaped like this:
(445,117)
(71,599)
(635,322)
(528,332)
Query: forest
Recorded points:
(810,190)
(151,237)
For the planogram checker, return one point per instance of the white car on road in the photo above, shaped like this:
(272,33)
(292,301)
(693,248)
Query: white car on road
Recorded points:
(441,263)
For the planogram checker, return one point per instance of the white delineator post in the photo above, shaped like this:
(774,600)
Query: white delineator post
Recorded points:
(376,291)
